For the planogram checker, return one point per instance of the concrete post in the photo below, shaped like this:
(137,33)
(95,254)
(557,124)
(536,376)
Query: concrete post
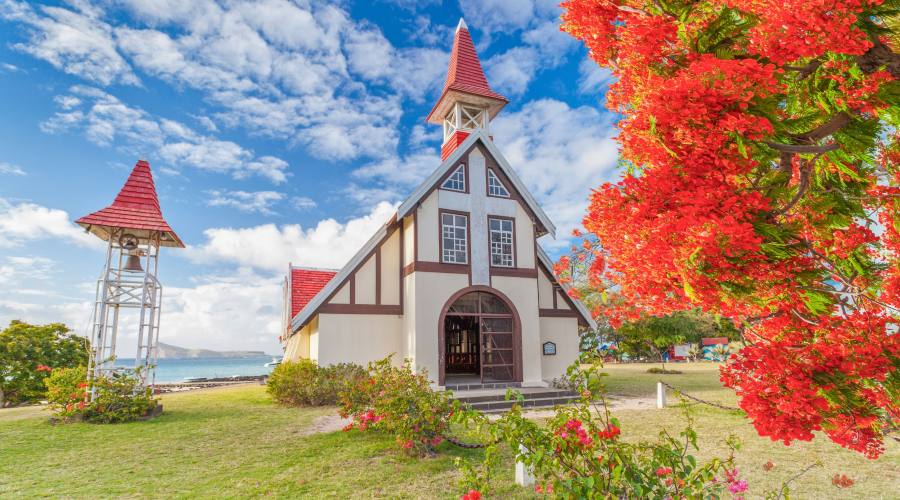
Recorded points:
(660,395)
(524,475)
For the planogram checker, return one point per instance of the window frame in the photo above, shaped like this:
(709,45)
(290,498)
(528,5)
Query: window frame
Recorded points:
(465,170)
(487,184)
(468,233)
(512,232)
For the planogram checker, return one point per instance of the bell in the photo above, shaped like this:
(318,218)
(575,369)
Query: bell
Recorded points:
(133,264)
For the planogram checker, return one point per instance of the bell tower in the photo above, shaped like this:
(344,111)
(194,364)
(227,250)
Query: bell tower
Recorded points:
(467,102)
(135,231)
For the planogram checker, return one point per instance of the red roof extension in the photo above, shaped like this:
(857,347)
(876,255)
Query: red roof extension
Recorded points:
(135,207)
(305,284)
(714,340)
(465,73)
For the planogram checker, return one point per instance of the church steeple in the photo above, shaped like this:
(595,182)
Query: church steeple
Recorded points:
(467,101)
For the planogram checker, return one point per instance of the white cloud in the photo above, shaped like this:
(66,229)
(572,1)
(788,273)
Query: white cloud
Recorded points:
(6,67)
(303,203)
(593,79)
(512,71)
(75,42)
(23,221)
(304,72)
(270,247)
(255,201)
(106,120)
(9,168)
(15,269)
(544,47)
(240,311)
(408,170)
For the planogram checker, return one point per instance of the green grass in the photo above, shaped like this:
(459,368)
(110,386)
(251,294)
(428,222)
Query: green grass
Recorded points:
(235,443)
(232,442)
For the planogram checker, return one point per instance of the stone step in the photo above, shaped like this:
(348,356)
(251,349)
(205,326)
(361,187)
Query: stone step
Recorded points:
(542,394)
(502,406)
(486,385)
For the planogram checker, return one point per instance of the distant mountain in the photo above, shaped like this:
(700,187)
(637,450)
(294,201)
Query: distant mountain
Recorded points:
(168,351)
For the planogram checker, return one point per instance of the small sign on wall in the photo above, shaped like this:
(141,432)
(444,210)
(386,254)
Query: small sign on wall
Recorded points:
(549,349)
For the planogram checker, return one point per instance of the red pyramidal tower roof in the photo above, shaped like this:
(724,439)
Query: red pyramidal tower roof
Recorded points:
(136,208)
(465,75)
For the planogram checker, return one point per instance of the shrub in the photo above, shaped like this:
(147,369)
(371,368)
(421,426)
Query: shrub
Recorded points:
(304,383)
(400,402)
(119,398)
(663,371)
(28,353)
(66,384)
(578,453)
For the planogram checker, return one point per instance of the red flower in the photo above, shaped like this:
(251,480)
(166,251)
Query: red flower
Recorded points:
(663,471)
(471,495)
(44,368)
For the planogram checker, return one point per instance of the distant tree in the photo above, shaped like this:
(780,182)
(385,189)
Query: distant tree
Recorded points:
(28,353)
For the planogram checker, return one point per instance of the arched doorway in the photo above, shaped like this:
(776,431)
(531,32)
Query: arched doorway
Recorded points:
(480,338)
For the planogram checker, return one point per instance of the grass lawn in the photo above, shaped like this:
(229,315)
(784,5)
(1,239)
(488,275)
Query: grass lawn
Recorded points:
(233,442)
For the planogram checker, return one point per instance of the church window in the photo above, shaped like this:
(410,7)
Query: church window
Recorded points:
(457,180)
(454,238)
(495,186)
(501,242)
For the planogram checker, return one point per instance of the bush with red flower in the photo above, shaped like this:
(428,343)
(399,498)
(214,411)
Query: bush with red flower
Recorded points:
(396,400)
(579,453)
(760,138)
(118,397)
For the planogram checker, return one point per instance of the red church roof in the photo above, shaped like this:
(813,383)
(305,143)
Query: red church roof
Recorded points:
(305,284)
(136,208)
(465,73)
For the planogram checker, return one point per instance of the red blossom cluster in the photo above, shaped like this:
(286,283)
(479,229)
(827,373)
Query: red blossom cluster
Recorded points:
(471,495)
(842,481)
(753,193)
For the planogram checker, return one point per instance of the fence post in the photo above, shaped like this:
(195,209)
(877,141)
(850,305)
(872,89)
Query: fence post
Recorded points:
(660,395)
(524,475)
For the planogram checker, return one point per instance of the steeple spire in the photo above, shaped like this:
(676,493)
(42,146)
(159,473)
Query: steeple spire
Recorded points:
(467,101)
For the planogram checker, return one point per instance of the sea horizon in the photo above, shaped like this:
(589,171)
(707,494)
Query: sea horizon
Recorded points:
(169,370)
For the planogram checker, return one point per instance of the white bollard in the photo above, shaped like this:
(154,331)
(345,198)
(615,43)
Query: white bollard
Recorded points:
(524,475)
(660,395)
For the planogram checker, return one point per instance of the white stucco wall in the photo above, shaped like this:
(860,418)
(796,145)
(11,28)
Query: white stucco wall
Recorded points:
(342,296)
(390,270)
(358,338)
(433,291)
(545,291)
(427,219)
(365,282)
(564,333)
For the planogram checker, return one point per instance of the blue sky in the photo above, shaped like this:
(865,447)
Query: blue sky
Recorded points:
(277,132)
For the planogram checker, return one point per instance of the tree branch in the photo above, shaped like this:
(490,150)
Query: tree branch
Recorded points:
(802,148)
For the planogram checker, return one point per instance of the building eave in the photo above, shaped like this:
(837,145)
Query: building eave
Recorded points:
(579,306)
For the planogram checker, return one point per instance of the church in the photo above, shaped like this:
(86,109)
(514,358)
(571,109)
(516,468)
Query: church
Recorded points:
(455,281)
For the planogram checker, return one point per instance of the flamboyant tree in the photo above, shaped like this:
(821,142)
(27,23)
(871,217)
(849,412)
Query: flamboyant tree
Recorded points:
(762,185)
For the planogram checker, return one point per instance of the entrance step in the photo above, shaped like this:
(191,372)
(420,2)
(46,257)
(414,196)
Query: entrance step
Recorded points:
(494,400)
(487,385)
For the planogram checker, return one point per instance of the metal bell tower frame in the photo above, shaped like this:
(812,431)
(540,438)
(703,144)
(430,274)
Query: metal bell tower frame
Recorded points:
(135,231)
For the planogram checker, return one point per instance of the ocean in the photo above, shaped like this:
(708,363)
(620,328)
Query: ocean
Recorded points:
(177,370)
